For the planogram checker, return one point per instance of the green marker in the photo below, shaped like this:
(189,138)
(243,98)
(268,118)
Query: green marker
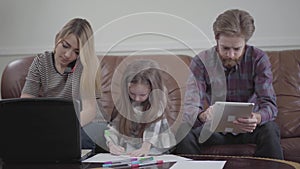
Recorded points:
(106,132)
(145,159)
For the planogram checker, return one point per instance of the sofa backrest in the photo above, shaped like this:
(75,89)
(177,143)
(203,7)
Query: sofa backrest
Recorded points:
(286,73)
(174,74)
(13,77)
(14,74)
(285,67)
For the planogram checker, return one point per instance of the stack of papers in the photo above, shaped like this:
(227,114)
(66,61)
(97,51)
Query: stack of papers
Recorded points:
(104,157)
(181,162)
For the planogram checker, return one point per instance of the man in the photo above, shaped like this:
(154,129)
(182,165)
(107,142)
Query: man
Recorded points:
(235,72)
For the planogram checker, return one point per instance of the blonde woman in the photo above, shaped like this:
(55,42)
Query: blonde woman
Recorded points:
(69,72)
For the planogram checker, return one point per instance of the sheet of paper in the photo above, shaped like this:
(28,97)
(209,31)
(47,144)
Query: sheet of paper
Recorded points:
(199,164)
(170,158)
(104,157)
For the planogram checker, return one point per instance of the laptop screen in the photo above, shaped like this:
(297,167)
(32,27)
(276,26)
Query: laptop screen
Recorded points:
(39,130)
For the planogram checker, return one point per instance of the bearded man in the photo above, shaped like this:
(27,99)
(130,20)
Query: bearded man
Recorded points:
(232,71)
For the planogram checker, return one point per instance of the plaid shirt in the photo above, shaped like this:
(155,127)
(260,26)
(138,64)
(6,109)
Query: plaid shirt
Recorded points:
(249,81)
(159,134)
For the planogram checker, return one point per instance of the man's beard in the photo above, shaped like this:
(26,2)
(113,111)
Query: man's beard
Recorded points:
(229,63)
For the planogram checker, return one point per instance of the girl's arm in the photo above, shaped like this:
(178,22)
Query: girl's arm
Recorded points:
(25,95)
(115,149)
(112,140)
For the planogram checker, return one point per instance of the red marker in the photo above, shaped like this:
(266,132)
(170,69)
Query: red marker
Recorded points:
(148,163)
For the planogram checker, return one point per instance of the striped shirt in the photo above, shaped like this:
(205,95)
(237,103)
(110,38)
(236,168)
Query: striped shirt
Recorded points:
(43,79)
(249,81)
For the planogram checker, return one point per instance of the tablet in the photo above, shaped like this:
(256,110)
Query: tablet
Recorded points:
(224,113)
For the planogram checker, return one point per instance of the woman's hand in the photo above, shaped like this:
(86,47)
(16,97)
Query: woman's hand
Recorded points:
(143,151)
(248,124)
(115,149)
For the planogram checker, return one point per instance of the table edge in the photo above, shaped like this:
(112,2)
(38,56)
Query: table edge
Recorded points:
(291,163)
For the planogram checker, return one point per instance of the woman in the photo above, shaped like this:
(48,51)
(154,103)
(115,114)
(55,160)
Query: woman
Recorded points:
(69,72)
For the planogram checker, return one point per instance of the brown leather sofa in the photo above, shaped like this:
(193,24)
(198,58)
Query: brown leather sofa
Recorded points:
(286,72)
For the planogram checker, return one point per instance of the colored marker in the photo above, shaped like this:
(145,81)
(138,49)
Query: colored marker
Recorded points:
(121,161)
(147,164)
(115,165)
(120,164)
(145,159)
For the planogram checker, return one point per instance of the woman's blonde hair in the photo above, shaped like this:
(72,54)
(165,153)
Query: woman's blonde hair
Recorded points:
(90,77)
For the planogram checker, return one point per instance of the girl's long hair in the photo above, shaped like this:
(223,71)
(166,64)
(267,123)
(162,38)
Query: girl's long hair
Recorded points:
(144,72)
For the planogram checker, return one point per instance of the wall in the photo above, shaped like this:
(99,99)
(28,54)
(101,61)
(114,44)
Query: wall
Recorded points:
(122,27)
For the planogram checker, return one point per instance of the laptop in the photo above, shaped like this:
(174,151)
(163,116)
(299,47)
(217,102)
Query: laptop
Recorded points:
(39,130)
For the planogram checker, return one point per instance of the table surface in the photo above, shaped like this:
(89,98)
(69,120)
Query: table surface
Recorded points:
(248,162)
(231,163)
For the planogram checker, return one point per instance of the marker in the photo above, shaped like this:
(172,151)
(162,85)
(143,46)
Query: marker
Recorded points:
(120,164)
(145,159)
(146,164)
(121,161)
(115,165)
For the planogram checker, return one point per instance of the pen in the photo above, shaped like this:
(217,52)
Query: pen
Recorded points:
(121,161)
(146,164)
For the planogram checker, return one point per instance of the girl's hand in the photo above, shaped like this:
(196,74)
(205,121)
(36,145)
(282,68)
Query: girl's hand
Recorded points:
(143,151)
(115,149)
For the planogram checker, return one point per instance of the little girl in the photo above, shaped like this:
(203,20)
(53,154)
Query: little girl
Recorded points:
(140,127)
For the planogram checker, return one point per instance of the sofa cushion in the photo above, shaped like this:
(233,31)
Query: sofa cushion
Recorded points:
(291,148)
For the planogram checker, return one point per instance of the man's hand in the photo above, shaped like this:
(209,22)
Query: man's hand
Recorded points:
(143,151)
(115,149)
(248,124)
(206,116)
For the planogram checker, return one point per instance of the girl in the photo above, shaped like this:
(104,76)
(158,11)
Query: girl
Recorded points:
(140,127)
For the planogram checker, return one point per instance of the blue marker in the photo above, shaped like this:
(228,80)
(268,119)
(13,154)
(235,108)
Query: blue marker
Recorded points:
(120,164)
(121,161)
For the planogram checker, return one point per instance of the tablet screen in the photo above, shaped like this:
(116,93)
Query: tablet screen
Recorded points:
(224,113)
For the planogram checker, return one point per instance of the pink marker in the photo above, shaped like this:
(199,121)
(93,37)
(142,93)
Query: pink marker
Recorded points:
(148,163)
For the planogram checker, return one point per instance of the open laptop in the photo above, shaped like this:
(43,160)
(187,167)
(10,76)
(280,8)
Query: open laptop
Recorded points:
(39,130)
